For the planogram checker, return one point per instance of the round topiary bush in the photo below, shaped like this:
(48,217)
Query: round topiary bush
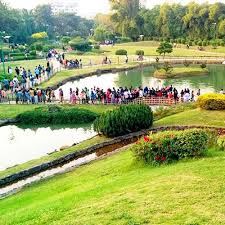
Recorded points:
(123,120)
(211,101)
(121,52)
(140,53)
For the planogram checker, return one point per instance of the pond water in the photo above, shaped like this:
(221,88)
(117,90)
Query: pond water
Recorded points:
(144,77)
(22,144)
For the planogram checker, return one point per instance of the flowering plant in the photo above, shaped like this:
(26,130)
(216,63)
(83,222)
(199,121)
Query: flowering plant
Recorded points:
(168,146)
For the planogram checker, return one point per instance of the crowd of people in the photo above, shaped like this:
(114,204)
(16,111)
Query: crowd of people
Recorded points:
(22,85)
(125,95)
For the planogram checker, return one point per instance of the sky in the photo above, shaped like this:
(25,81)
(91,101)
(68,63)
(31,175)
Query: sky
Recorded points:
(89,8)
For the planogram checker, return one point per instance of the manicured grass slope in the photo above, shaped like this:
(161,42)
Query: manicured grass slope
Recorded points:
(117,190)
(194,117)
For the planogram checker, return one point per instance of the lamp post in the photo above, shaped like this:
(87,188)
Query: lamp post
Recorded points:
(2,54)
(214,24)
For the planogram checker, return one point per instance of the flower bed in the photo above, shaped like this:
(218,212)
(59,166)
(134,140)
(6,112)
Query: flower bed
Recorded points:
(171,146)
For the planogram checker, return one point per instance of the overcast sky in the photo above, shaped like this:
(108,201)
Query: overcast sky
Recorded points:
(89,8)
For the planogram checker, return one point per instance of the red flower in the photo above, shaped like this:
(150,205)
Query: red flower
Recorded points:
(163,158)
(157,158)
(147,139)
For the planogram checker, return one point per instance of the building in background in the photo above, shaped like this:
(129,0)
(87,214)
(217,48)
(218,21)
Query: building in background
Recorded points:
(59,6)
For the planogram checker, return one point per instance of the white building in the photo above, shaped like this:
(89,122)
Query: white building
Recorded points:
(63,6)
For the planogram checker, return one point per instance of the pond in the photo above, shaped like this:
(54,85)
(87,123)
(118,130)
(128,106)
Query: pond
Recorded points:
(144,77)
(22,144)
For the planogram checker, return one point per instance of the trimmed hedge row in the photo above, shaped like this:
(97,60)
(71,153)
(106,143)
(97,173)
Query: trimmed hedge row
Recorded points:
(121,52)
(123,120)
(171,146)
(57,115)
(212,101)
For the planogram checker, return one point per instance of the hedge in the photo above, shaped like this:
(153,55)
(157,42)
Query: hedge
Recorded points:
(140,53)
(123,120)
(212,101)
(168,146)
(121,52)
(57,115)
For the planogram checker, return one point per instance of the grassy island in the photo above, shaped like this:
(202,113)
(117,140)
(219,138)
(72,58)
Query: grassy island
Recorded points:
(178,72)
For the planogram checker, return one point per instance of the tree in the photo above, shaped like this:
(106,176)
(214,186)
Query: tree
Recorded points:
(222,28)
(39,36)
(80,44)
(164,47)
(101,33)
(125,12)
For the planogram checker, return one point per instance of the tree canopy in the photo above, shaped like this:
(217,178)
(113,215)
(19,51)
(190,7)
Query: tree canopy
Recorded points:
(21,24)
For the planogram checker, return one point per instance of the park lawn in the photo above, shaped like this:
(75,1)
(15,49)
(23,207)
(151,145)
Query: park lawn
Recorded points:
(12,111)
(194,117)
(150,49)
(27,64)
(120,191)
(64,74)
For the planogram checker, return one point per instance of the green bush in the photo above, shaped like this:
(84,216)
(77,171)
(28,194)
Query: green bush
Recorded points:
(96,47)
(124,120)
(80,44)
(17,54)
(168,146)
(204,43)
(203,65)
(121,52)
(221,143)
(200,43)
(211,101)
(33,53)
(57,115)
(123,40)
(140,53)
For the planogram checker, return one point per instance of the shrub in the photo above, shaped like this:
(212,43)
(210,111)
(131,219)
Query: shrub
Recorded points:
(57,115)
(121,52)
(221,143)
(80,44)
(123,39)
(124,120)
(33,53)
(140,53)
(187,63)
(200,43)
(97,47)
(203,65)
(170,146)
(204,43)
(211,101)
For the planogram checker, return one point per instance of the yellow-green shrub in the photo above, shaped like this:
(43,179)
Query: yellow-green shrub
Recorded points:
(221,143)
(212,101)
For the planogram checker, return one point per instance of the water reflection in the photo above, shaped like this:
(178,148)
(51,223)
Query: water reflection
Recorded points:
(22,144)
(144,77)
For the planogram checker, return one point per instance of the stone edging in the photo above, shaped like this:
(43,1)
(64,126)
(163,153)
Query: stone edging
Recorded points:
(7,122)
(93,149)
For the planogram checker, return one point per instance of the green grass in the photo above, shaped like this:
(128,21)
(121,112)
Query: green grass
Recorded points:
(179,72)
(11,111)
(150,47)
(117,190)
(194,117)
